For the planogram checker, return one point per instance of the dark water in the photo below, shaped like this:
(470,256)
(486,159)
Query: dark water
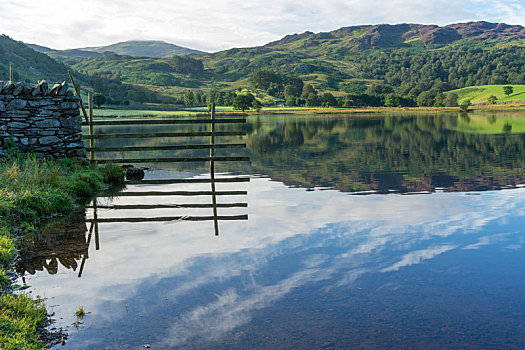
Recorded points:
(431,257)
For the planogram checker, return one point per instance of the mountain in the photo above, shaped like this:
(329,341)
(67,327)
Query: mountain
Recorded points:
(408,59)
(148,49)
(28,64)
(142,48)
(403,35)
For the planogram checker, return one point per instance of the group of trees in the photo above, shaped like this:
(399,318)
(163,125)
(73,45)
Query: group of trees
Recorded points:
(276,84)
(199,98)
(443,70)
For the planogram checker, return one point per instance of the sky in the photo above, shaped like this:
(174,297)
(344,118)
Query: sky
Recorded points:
(214,25)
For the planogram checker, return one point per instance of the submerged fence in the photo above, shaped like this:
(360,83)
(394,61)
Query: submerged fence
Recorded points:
(119,154)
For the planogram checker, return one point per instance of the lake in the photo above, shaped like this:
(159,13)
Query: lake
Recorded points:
(396,231)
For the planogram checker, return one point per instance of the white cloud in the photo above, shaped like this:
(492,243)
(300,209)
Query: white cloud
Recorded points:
(221,24)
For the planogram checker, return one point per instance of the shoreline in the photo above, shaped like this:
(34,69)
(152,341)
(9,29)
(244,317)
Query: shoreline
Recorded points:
(144,113)
(34,191)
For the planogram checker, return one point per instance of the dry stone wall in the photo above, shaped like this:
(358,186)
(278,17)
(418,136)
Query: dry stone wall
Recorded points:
(40,119)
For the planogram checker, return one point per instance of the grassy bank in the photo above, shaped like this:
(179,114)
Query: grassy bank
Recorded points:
(31,191)
(224,111)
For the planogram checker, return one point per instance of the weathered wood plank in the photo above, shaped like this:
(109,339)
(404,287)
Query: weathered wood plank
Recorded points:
(172,218)
(190,181)
(170,206)
(164,148)
(174,160)
(181,193)
(164,134)
(168,121)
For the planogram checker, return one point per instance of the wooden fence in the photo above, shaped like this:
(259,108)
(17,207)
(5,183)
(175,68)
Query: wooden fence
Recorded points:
(96,155)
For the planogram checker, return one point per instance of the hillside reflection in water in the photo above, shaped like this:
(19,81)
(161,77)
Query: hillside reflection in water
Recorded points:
(319,267)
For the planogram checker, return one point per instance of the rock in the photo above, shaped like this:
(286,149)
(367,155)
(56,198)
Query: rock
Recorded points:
(48,140)
(63,88)
(48,123)
(19,88)
(132,173)
(8,88)
(55,89)
(17,125)
(16,104)
(44,87)
(71,122)
(69,105)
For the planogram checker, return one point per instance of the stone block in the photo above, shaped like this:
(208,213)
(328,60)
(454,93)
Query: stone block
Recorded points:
(48,140)
(70,122)
(41,102)
(16,104)
(48,123)
(18,113)
(17,125)
(19,88)
(69,105)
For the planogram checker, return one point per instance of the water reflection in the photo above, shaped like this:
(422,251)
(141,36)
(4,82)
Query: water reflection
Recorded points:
(366,154)
(63,242)
(318,268)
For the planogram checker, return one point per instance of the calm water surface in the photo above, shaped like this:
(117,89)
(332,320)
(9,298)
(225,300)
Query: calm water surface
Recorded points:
(398,232)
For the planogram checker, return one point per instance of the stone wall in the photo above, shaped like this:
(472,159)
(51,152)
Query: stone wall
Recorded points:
(40,119)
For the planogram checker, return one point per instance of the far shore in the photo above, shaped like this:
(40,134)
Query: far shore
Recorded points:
(149,110)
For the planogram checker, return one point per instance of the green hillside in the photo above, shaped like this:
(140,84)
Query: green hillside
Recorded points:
(29,65)
(481,94)
(416,62)
(374,65)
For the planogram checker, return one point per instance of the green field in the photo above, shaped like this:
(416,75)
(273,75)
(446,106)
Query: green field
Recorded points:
(480,94)
(491,124)
(105,112)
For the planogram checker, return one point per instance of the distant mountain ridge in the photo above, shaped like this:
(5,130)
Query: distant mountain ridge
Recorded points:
(132,48)
(144,48)
(389,35)
(407,59)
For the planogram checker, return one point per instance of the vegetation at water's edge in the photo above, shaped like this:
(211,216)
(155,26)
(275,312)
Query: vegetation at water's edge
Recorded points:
(31,191)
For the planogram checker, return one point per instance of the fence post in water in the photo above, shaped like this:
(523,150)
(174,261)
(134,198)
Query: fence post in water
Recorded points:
(91,140)
(212,170)
(95,217)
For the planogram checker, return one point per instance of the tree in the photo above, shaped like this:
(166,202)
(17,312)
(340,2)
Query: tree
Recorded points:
(243,101)
(451,99)
(465,105)
(99,100)
(189,98)
(508,89)
(492,99)
(328,100)
(257,105)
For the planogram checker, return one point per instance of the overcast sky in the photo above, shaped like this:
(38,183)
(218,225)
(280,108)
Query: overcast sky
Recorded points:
(213,25)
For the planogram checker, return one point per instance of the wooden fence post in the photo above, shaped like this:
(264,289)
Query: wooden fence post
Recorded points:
(91,131)
(212,170)
(77,93)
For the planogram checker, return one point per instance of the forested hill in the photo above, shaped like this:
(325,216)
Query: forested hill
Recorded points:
(408,59)
(29,65)
(403,56)
(361,65)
